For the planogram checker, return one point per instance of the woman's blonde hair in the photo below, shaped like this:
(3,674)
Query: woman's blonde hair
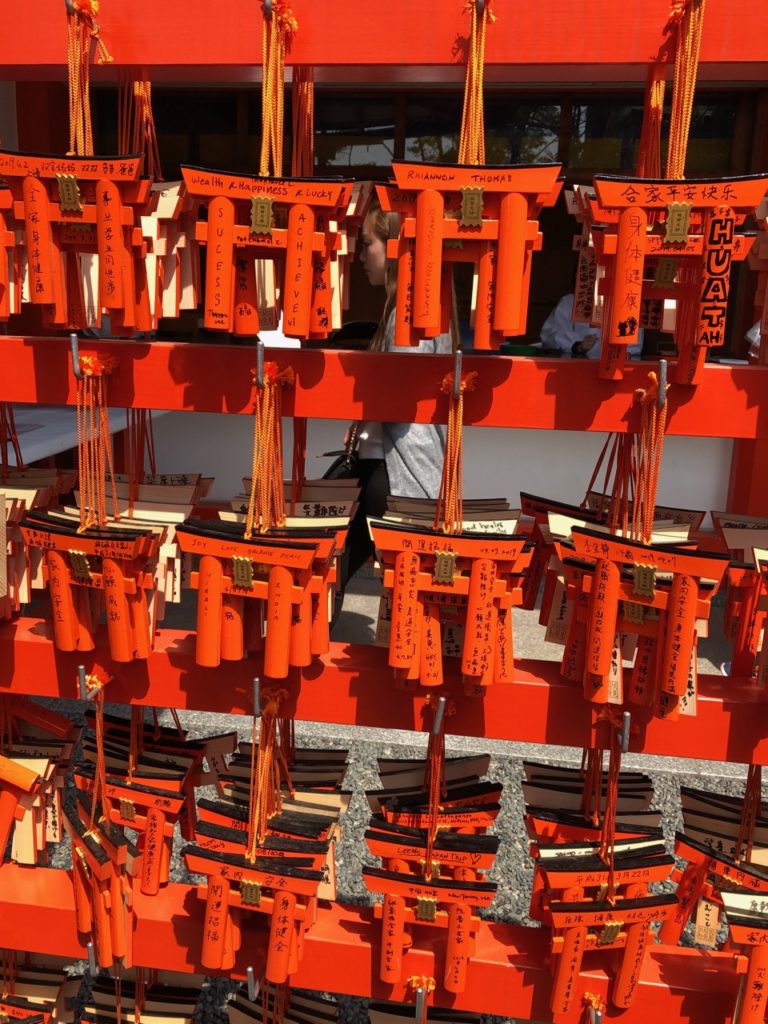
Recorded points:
(384,226)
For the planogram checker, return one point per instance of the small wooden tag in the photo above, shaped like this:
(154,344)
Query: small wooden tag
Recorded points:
(707,924)
(678,219)
(261,215)
(69,193)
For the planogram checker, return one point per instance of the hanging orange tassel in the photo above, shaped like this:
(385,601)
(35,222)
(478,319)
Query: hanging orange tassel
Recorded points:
(140,442)
(434,778)
(303,123)
(650,448)
(277,31)
(449,514)
(649,150)
(687,17)
(266,504)
(82,30)
(94,444)
(136,123)
(275,1002)
(268,772)
(472,135)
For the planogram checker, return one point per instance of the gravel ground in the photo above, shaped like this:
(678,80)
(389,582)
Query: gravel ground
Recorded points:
(513,870)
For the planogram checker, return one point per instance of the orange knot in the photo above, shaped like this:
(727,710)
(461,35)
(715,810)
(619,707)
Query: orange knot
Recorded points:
(677,9)
(286,19)
(86,8)
(488,9)
(97,366)
(467,383)
(274,375)
(650,394)
(431,701)
(416,982)
(610,715)
(593,1002)
(271,701)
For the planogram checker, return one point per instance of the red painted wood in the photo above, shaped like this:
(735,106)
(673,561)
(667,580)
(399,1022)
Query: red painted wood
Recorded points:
(352,684)
(508,974)
(510,391)
(227,34)
(748,486)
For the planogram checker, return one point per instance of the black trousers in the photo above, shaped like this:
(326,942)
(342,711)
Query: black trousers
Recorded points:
(374,484)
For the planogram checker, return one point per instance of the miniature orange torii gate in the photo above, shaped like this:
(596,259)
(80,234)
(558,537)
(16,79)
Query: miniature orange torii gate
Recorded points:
(283,220)
(95,569)
(614,584)
(473,577)
(72,206)
(481,215)
(698,220)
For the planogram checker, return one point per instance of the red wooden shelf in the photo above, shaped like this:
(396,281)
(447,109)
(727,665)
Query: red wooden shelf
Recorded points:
(547,394)
(197,39)
(508,976)
(347,686)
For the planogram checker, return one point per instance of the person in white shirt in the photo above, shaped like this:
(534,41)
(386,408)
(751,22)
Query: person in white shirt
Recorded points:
(753,337)
(561,333)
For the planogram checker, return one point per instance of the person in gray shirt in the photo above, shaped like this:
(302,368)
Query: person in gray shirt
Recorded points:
(403,459)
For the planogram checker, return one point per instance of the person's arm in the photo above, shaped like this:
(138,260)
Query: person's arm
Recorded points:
(560,333)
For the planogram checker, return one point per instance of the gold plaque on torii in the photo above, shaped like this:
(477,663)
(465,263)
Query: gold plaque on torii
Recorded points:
(645,581)
(426,909)
(261,215)
(250,893)
(666,272)
(610,933)
(471,215)
(634,613)
(69,193)
(678,219)
(242,572)
(127,809)
(81,570)
(445,567)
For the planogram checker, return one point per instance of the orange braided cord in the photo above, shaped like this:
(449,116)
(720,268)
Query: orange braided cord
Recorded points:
(94,446)
(472,136)
(434,778)
(449,514)
(653,425)
(649,150)
(10,972)
(303,118)
(688,19)
(266,504)
(100,768)
(268,770)
(427,985)
(275,1001)
(136,124)
(81,31)
(608,831)
(276,34)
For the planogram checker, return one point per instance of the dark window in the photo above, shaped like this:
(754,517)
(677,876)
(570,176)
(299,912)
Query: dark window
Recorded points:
(521,133)
(354,133)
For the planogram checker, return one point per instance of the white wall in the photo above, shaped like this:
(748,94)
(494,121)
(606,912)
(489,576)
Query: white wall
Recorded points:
(497,462)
